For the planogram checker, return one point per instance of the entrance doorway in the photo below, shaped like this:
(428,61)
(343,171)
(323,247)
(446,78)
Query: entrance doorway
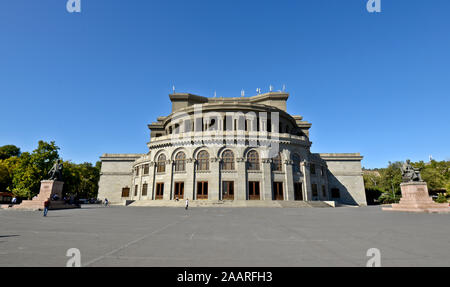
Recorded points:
(253,190)
(298,193)
(159,190)
(202,190)
(278,191)
(179,190)
(228,190)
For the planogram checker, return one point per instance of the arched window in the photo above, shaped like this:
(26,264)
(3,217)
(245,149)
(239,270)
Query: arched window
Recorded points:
(253,160)
(161,164)
(180,161)
(296,162)
(228,160)
(203,160)
(277,165)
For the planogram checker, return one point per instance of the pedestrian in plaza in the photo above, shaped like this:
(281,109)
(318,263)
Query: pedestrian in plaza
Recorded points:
(106,202)
(187,204)
(46,206)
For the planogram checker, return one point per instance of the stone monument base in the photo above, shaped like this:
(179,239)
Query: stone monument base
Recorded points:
(415,198)
(48,189)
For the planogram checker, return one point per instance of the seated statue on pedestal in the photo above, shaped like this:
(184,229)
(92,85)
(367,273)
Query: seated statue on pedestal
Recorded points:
(56,171)
(409,173)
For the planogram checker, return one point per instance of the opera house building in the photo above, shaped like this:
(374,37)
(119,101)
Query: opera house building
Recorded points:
(231,150)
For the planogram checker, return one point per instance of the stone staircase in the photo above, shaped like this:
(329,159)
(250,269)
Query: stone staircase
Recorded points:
(231,203)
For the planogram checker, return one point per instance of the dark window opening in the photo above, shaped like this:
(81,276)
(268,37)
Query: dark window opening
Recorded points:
(159,190)
(144,189)
(298,193)
(314,190)
(179,190)
(202,190)
(253,190)
(228,190)
(278,191)
(335,193)
(126,192)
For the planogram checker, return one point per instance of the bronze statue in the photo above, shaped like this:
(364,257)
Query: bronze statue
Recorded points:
(409,173)
(56,171)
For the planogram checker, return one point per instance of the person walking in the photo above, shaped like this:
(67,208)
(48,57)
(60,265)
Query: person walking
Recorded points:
(187,204)
(106,202)
(46,206)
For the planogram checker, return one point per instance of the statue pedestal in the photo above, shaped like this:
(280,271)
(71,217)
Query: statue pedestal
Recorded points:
(48,189)
(415,198)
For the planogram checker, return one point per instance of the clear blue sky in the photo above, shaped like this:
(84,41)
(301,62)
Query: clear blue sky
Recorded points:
(378,84)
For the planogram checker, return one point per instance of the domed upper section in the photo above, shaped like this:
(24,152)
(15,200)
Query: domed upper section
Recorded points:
(260,113)
(274,99)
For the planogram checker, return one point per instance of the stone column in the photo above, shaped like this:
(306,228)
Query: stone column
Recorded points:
(141,173)
(266,185)
(151,183)
(213,184)
(289,180)
(189,185)
(240,186)
(168,180)
(307,192)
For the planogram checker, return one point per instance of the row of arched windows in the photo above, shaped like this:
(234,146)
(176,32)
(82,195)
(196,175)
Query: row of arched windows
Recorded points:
(250,123)
(228,161)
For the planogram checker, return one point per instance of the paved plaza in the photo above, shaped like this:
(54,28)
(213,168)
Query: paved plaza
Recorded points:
(162,236)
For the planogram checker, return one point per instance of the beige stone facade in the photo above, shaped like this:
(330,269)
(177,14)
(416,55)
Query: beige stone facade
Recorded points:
(233,149)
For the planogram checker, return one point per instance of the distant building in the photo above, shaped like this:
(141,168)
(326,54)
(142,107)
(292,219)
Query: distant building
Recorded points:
(243,148)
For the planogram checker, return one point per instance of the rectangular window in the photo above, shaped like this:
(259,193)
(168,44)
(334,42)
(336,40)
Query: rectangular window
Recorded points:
(135,190)
(335,193)
(125,192)
(228,190)
(324,192)
(278,191)
(323,171)
(159,190)
(146,168)
(313,169)
(298,193)
(179,190)
(161,166)
(144,189)
(202,190)
(314,190)
(253,190)
(137,171)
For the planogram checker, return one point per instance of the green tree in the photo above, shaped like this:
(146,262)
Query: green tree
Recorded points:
(442,198)
(372,181)
(8,151)
(435,173)
(32,168)
(391,177)
(7,167)
(81,179)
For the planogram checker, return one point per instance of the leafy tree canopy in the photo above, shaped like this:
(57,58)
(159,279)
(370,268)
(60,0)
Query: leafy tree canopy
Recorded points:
(8,151)
(32,168)
(387,180)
